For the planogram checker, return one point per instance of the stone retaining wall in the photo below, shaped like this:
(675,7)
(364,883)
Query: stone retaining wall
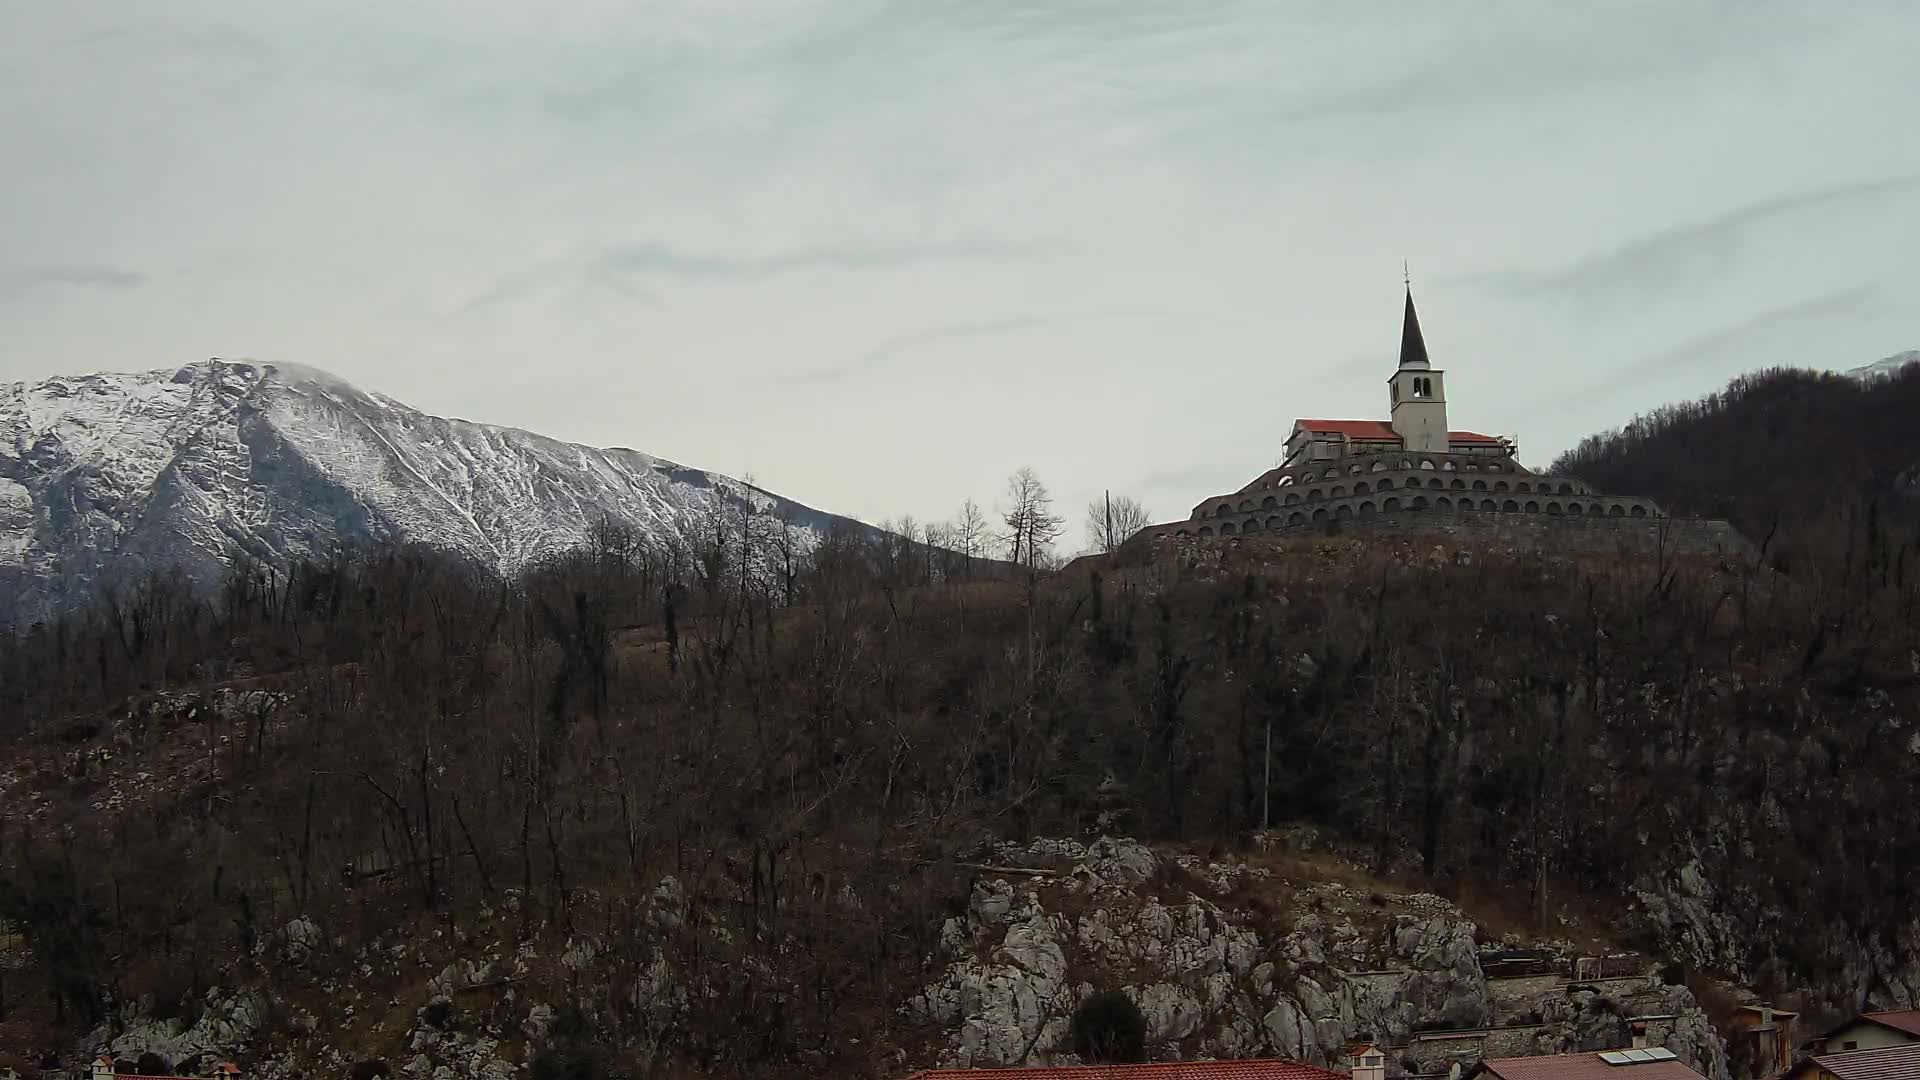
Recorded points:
(1547,533)
(1563,535)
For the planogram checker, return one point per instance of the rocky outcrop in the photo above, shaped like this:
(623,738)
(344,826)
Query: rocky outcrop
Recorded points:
(1218,981)
(1742,936)
(1222,958)
(228,1025)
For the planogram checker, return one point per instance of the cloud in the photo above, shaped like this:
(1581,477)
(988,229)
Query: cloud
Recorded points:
(18,282)
(1680,256)
(1737,346)
(1764,327)
(650,259)
(528,283)
(885,353)
(614,268)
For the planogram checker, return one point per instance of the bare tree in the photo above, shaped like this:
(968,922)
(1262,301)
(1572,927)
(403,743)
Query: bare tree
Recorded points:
(969,534)
(1110,521)
(1032,526)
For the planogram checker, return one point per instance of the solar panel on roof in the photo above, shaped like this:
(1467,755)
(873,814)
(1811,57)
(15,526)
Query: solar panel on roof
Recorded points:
(1638,1056)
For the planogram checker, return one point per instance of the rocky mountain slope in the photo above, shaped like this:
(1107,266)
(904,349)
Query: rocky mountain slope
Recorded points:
(104,476)
(459,825)
(1226,957)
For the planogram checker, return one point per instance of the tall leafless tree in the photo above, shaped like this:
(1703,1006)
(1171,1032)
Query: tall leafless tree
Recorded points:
(1111,520)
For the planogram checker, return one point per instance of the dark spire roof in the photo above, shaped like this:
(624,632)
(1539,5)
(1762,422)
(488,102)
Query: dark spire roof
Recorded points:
(1413,347)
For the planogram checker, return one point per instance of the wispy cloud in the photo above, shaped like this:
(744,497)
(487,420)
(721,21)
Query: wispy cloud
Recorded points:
(1686,254)
(660,259)
(19,281)
(888,352)
(1716,346)
(1737,346)
(617,268)
(525,284)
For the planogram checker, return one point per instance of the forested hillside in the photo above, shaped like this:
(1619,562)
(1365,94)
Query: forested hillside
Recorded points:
(1719,759)
(1800,460)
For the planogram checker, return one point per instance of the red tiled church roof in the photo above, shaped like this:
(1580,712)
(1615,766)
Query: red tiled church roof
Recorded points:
(1352,429)
(1170,1070)
(1381,431)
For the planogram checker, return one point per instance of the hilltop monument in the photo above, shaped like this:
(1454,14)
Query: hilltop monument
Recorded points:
(1410,472)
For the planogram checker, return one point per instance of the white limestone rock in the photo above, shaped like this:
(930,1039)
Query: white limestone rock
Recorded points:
(1117,861)
(1172,1012)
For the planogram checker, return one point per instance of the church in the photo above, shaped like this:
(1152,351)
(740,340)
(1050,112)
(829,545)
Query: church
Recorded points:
(1409,469)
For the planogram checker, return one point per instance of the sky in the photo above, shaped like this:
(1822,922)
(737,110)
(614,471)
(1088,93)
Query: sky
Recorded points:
(878,255)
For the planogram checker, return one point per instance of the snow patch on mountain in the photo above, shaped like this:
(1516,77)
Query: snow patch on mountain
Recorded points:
(1885,367)
(103,477)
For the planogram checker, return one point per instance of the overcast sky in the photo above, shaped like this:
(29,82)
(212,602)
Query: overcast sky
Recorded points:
(877,255)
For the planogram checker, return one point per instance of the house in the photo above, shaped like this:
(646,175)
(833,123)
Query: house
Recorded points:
(1899,1062)
(1274,1069)
(1871,1031)
(1761,1038)
(103,1069)
(1650,1063)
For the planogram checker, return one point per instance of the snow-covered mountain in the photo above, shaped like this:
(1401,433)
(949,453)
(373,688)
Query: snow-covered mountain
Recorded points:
(1885,367)
(107,475)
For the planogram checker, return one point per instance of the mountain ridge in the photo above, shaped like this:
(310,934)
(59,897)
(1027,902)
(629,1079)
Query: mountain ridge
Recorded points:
(1885,366)
(107,475)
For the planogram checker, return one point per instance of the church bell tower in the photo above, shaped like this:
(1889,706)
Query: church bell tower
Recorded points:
(1419,394)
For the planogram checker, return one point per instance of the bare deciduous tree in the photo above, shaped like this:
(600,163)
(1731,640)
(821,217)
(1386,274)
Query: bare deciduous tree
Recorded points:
(1110,521)
(969,534)
(1032,526)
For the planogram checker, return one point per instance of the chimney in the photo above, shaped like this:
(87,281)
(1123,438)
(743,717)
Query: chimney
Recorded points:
(1639,1035)
(226,1070)
(1369,1062)
(103,1068)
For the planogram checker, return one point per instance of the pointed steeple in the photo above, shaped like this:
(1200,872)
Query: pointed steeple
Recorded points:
(1413,347)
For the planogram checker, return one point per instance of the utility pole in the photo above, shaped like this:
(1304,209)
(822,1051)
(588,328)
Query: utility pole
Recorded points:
(1266,777)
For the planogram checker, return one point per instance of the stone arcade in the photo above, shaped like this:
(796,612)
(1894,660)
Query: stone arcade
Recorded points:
(1409,466)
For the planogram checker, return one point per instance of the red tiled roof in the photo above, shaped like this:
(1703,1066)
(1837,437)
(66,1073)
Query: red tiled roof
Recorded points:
(1380,430)
(1170,1070)
(1584,1067)
(1907,1020)
(1887,1063)
(1352,429)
